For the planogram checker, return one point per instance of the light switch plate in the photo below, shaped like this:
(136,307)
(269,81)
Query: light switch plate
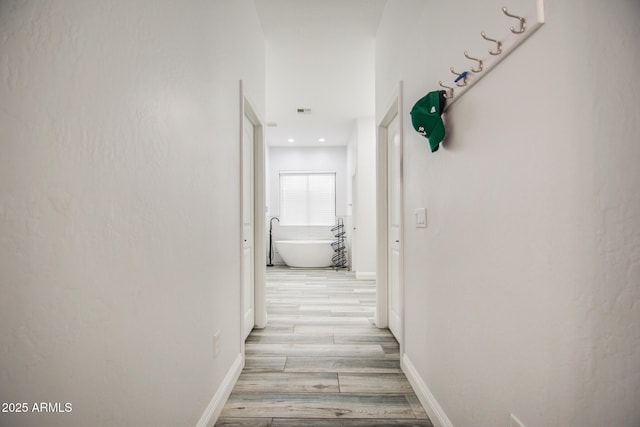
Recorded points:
(421,217)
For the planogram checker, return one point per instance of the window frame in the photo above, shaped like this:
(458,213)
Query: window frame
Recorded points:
(283,221)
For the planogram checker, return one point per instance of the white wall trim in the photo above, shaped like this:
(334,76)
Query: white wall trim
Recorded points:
(429,402)
(366,275)
(211,414)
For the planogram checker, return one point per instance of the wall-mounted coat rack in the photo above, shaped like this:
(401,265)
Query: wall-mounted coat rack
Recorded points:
(523,27)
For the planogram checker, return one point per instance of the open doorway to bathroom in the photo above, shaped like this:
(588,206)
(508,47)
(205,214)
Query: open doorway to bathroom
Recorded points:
(390,278)
(252,231)
(320,134)
(307,200)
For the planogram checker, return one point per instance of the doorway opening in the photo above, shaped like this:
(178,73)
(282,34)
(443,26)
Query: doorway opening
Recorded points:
(390,306)
(252,232)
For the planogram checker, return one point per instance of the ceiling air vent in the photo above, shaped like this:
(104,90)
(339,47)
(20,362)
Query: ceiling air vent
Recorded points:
(304,110)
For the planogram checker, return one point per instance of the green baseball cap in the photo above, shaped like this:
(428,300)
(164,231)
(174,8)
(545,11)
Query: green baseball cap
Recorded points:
(426,117)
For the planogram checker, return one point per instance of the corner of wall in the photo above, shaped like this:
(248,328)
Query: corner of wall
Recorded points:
(215,406)
(436,414)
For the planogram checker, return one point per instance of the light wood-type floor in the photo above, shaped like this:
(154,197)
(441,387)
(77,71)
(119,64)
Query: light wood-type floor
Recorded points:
(321,361)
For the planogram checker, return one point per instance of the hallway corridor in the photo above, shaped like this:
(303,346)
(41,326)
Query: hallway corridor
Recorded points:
(321,361)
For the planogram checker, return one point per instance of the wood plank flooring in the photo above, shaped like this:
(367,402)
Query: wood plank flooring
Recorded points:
(321,362)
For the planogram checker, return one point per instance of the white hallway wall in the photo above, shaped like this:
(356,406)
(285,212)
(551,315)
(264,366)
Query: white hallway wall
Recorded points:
(118,182)
(522,294)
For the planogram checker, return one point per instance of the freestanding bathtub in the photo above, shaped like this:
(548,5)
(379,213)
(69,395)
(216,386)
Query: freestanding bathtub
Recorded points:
(305,253)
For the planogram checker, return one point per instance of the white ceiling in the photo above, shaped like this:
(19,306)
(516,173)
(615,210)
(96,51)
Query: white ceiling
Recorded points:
(320,55)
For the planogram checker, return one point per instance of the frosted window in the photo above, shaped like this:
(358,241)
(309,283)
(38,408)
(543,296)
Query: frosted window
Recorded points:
(307,198)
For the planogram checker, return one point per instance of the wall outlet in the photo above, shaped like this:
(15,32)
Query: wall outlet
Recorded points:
(216,344)
(421,217)
(515,422)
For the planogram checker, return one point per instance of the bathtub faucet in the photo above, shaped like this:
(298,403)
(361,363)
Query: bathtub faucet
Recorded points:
(271,240)
(271,222)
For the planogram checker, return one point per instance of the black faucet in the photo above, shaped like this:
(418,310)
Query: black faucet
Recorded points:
(270,239)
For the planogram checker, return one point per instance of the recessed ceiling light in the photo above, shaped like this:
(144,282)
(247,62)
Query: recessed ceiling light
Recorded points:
(321,140)
(290,140)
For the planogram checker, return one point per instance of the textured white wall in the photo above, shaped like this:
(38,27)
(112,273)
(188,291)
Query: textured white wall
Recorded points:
(119,229)
(522,294)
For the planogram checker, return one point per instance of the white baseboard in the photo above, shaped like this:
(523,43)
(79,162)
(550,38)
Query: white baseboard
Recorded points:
(365,275)
(431,405)
(211,414)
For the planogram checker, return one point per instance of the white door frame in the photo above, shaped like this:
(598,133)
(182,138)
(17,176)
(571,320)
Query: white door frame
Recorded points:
(259,256)
(382,210)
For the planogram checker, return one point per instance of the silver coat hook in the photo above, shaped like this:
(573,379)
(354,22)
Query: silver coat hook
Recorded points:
(523,22)
(446,95)
(497,42)
(460,76)
(466,54)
